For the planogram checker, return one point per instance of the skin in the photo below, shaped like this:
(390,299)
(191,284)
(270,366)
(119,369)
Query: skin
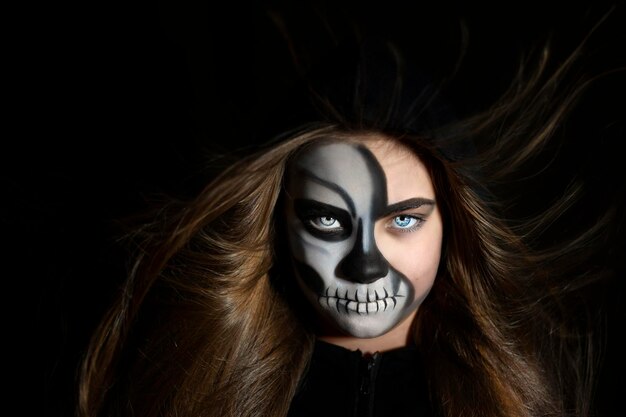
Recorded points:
(365,236)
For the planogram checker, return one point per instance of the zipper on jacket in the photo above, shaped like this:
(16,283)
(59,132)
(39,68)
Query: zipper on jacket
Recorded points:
(367,379)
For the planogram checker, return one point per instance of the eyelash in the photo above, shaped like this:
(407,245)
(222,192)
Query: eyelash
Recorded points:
(315,222)
(418,223)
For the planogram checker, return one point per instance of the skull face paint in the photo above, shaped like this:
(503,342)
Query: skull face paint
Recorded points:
(364,233)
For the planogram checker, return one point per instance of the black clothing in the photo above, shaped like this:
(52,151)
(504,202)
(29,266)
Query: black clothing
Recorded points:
(346,383)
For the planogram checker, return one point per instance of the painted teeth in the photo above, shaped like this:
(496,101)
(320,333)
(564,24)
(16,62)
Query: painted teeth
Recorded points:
(341,304)
(359,297)
(364,303)
(362,308)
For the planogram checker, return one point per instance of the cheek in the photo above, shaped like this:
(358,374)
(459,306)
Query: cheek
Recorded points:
(321,256)
(420,265)
(416,255)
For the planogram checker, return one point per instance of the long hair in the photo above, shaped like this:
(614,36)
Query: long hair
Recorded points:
(200,328)
(508,329)
(212,336)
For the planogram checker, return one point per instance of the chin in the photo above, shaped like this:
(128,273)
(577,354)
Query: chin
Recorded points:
(364,326)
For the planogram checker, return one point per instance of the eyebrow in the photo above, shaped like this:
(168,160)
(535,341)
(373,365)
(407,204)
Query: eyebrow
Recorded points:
(334,187)
(411,203)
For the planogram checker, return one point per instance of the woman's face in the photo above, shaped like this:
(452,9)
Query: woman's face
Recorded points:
(364,232)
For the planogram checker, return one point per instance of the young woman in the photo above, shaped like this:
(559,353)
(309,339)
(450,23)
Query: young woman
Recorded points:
(359,266)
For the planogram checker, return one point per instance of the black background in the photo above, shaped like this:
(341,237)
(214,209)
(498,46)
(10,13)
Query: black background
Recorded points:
(110,105)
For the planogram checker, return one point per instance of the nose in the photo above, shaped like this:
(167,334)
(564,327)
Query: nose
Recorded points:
(364,263)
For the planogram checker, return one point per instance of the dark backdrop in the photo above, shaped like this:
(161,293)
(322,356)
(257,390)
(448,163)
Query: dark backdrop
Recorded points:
(111,105)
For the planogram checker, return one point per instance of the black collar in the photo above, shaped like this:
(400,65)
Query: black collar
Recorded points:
(341,382)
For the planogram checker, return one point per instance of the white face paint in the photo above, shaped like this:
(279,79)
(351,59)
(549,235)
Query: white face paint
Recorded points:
(364,232)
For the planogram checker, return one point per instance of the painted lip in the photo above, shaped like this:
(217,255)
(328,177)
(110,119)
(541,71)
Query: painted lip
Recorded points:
(346,304)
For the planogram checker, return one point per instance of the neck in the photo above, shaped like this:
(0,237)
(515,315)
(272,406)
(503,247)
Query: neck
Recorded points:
(397,337)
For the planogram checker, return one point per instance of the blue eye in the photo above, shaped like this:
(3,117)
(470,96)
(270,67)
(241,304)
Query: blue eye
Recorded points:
(405,223)
(325,223)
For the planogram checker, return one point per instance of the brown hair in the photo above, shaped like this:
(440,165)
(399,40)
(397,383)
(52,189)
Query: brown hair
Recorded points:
(200,330)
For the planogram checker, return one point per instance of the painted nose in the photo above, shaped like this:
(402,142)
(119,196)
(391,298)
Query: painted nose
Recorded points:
(364,263)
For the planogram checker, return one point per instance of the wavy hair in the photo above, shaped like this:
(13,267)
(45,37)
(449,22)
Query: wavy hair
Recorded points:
(200,328)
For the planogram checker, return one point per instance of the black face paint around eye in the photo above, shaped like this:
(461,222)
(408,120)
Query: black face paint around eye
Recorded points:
(341,270)
(365,263)
(308,210)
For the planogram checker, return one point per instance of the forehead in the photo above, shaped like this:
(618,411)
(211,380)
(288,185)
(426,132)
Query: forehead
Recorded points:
(343,174)
(360,167)
(406,174)
(335,161)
